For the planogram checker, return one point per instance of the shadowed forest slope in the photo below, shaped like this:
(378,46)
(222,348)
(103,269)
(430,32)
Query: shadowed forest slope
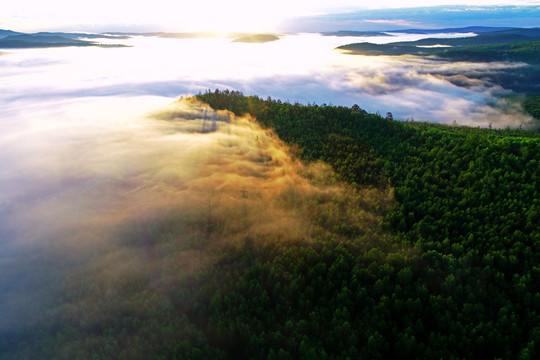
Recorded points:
(193,253)
(349,236)
(466,199)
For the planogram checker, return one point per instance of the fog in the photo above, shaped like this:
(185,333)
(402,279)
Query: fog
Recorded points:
(105,211)
(298,68)
(103,172)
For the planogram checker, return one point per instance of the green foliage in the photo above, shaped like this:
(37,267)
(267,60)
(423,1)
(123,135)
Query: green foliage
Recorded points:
(506,45)
(457,276)
(528,52)
(532,106)
(468,199)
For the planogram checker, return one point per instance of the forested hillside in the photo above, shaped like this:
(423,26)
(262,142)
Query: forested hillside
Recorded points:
(430,249)
(467,201)
(500,45)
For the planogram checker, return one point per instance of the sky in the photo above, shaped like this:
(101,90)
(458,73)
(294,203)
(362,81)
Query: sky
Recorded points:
(168,15)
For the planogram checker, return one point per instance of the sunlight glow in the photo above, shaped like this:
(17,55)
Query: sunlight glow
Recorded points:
(168,15)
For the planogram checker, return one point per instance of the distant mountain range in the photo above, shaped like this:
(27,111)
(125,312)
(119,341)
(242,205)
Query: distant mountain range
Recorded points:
(512,38)
(486,35)
(4,33)
(509,45)
(17,40)
(461,30)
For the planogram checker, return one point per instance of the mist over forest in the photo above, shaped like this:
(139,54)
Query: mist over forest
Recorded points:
(357,185)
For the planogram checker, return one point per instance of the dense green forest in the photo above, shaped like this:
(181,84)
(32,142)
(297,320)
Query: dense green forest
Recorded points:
(532,105)
(514,51)
(467,200)
(449,267)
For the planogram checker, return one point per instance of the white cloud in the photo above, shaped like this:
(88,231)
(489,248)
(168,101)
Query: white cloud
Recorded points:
(399,22)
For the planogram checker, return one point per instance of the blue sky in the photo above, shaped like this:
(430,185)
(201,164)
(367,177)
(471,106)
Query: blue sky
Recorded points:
(251,15)
(443,16)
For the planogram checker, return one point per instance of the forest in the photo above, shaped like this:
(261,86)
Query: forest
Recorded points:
(431,251)
(466,201)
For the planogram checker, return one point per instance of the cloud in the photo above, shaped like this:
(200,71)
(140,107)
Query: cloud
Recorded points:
(428,15)
(399,22)
(432,90)
(310,73)
(120,211)
(100,202)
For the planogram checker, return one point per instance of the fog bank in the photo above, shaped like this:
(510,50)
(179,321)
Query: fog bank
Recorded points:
(297,68)
(119,212)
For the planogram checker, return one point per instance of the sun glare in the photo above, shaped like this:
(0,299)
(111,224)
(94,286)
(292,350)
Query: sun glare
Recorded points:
(162,15)
(224,17)
(170,15)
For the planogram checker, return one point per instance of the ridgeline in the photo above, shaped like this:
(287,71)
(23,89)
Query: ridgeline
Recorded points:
(447,267)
